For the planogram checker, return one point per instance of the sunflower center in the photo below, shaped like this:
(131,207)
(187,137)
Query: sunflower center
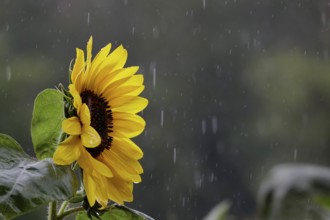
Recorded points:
(101,120)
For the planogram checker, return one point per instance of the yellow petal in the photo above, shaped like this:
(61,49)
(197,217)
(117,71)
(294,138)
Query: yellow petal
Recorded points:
(124,91)
(102,79)
(79,65)
(94,69)
(136,91)
(101,168)
(93,166)
(136,80)
(100,57)
(129,104)
(89,54)
(85,162)
(118,168)
(85,116)
(115,78)
(127,147)
(124,73)
(123,86)
(132,166)
(76,97)
(110,88)
(116,59)
(89,137)
(114,194)
(81,82)
(127,125)
(120,191)
(72,126)
(90,187)
(101,190)
(68,151)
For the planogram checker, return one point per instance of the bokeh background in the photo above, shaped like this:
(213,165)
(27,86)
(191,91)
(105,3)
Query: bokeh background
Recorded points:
(234,87)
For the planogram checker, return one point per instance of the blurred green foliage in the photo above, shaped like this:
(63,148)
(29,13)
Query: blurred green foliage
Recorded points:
(234,87)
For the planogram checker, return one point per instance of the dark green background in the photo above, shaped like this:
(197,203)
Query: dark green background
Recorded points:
(234,87)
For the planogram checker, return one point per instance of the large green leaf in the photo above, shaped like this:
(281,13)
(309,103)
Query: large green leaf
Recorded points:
(117,212)
(289,188)
(48,114)
(26,184)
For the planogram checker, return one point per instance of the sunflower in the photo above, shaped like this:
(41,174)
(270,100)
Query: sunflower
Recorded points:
(105,99)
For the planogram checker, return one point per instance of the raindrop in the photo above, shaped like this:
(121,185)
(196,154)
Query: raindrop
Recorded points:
(218,71)
(204,4)
(8,73)
(295,154)
(88,18)
(125,2)
(203,126)
(7,27)
(153,72)
(324,19)
(155,32)
(255,43)
(174,155)
(161,118)
(133,30)
(183,201)
(212,177)
(214,124)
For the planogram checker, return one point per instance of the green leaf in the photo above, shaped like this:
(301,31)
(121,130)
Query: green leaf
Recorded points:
(26,184)
(289,188)
(323,200)
(117,212)
(219,212)
(48,114)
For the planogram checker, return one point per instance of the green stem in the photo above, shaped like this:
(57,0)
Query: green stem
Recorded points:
(69,212)
(63,207)
(52,211)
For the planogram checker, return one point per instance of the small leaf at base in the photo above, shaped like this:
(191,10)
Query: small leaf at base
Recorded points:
(117,212)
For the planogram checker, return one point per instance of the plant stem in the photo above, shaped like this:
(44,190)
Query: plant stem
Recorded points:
(63,207)
(69,212)
(52,211)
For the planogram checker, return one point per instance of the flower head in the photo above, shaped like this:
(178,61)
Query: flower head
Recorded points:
(105,96)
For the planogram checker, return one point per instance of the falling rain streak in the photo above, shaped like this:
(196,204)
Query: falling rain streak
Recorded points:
(152,69)
(203,126)
(161,118)
(154,77)
(174,155)
(88,18)
(295,154)
(8,73)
